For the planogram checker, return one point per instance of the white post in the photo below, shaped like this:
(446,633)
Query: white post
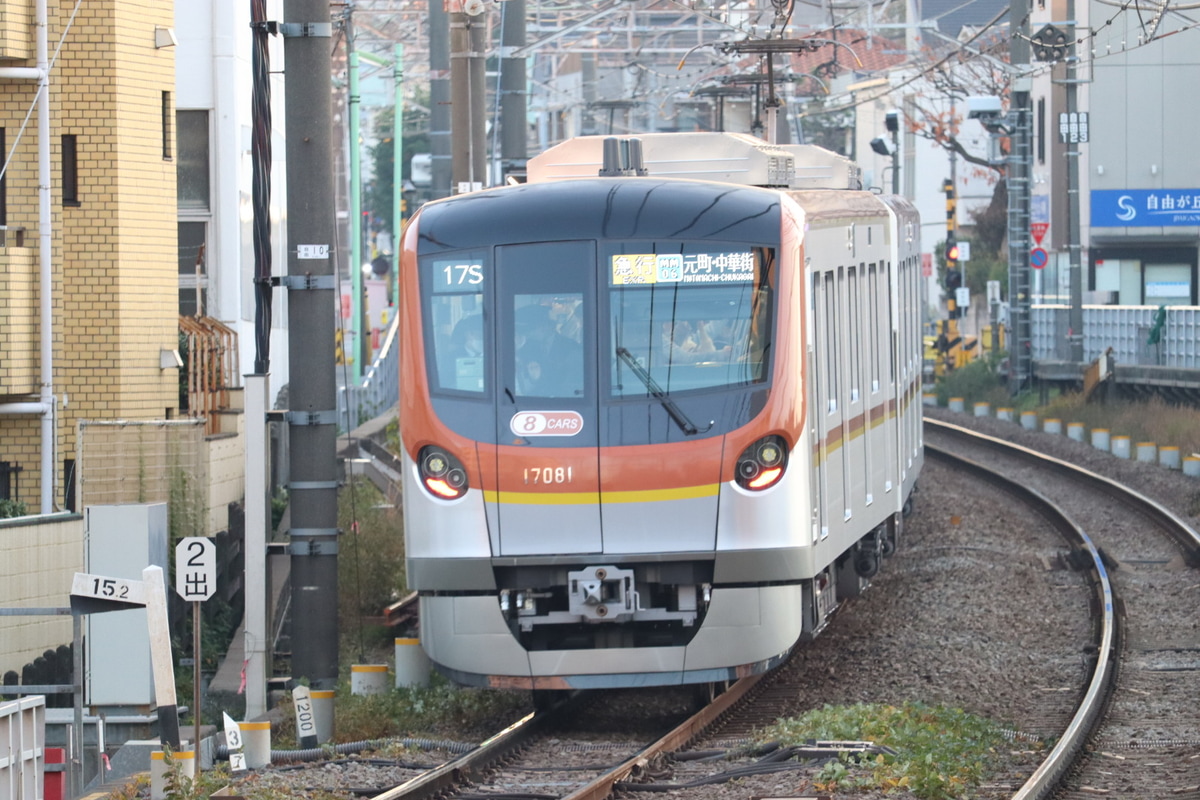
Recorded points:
(160,656)
(256,625)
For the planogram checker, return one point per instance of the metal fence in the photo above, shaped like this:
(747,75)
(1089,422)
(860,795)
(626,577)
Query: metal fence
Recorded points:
(155,461)
(380,387)
(1126,329)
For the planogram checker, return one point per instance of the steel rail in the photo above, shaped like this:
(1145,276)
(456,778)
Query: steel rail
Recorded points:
(602,787)
(1090,710)
(1183,533)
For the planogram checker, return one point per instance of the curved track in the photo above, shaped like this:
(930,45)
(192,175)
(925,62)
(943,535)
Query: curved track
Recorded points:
(1141,739)
(1136,684)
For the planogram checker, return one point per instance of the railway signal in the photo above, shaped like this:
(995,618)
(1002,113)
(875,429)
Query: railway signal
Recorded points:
(1049,44)
(952,253)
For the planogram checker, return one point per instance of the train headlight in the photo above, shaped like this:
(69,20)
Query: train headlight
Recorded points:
(762,464)
(441,473)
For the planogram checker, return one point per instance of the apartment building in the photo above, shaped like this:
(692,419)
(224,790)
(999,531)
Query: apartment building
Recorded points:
(104,240)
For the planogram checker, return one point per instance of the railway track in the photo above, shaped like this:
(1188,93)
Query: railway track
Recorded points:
(1123,684)
(1143,736)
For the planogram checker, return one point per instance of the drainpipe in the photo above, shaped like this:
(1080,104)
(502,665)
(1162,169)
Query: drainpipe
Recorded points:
(45,406)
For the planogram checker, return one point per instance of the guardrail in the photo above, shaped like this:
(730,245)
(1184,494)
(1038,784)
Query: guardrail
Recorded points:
(380,387)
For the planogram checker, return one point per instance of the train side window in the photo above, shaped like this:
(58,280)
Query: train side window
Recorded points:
(874,312)
(853,332)
(831,338)
(819,328)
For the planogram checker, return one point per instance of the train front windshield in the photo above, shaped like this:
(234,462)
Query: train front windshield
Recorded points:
(687,320)
(589,324)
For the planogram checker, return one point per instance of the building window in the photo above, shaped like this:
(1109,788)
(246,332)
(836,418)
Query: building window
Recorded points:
(69,484)
(70,170)
(4,179)
(192,180)
(166,126)
(193,272)
(10,475)
(193,195)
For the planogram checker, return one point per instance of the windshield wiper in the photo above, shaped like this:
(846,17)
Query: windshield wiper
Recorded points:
(675,412)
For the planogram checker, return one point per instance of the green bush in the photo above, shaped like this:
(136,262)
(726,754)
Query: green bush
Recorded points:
(370,553)
(977,382)
(12,508)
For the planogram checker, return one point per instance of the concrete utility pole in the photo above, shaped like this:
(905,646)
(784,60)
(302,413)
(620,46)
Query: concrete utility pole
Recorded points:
(468,109)
(312,420)
(513,152)
(1020,166)
(439,100)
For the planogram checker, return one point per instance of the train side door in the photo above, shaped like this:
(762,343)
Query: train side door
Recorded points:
(548,484)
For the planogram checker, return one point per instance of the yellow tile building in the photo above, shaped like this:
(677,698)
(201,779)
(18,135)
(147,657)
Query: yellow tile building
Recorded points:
(113,228)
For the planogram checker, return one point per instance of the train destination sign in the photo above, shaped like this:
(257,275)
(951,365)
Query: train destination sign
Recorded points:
(689,268)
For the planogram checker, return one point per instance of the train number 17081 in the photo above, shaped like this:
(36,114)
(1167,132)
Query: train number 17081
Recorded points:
(544,475)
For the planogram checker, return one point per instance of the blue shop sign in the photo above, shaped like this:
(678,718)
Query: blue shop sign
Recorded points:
(1145,207)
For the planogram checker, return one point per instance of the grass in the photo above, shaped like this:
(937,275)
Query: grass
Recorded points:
(942,753)
(440,709)
(1143,421)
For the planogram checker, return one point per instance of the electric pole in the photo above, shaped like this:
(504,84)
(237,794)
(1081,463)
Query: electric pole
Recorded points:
(468,145)
(513,150)
(439,100)
(312,418)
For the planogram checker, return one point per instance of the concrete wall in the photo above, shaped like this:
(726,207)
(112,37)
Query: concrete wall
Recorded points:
(226,469)
(41,556)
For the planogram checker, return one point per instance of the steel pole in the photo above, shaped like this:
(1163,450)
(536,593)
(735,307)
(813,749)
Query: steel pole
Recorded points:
(397,171)
(1075,317)
(357,326)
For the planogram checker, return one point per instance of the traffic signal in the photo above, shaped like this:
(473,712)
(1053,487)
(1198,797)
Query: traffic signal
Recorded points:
(951,209)
(953,278)
(953,283)
(951,254)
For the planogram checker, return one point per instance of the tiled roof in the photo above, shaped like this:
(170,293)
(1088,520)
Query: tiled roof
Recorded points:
(855,51)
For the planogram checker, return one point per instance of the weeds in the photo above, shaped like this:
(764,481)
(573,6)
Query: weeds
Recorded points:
(409,711)
(943,753)
(1152,420)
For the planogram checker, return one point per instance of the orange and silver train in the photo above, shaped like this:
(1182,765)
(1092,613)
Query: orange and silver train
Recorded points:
(659,409)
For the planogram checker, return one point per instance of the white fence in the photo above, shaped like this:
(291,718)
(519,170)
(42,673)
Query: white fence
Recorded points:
(1126,329)
(23,748)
